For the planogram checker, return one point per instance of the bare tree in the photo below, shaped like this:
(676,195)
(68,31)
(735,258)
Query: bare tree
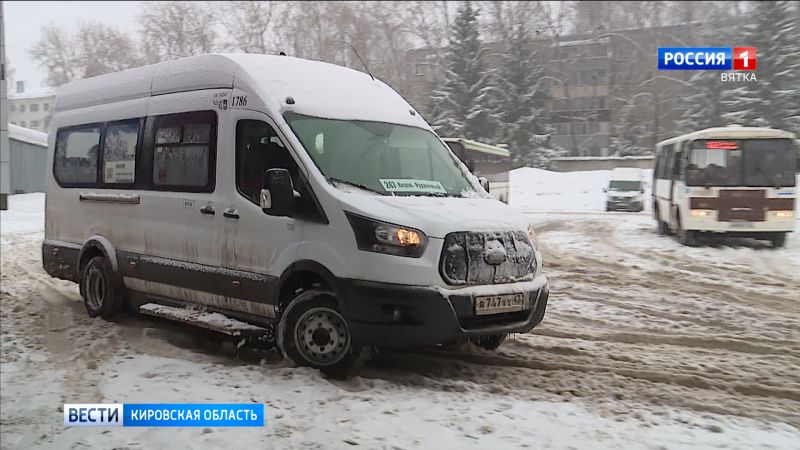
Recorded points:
(176,29)
(251,25)
(93,50)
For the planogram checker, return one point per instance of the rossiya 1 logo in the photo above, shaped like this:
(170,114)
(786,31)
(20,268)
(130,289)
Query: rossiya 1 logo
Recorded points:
(743,61)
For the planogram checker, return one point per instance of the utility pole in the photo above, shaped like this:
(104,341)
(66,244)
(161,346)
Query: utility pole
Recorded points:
(5,151)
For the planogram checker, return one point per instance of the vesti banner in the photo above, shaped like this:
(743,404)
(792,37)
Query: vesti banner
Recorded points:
(163,415)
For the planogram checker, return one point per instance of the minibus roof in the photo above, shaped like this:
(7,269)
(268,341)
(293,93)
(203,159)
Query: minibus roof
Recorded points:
(316,88)
(730,132)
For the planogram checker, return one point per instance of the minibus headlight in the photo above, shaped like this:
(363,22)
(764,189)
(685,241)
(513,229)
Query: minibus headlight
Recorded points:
(699,213)
(533,238)
(381,237)
(784,214)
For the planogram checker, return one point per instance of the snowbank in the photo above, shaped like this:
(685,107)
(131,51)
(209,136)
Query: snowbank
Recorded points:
(25,214)
(534,190)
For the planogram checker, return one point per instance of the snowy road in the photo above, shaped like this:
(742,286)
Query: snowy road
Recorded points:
(646,344)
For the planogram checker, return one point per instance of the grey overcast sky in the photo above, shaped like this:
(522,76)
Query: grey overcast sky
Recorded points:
(24,20)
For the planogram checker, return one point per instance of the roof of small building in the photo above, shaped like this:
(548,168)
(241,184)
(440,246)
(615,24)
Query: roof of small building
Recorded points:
(22,134)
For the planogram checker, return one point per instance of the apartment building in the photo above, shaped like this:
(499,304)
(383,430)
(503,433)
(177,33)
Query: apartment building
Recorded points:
(30,109)
(596,82)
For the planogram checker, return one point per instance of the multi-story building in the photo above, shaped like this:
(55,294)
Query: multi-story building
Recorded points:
(31,109)
(598,84)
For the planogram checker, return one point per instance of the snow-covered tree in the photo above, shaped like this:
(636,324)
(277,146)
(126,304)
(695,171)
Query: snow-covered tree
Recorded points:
(461,102)
(519,98)
(94,49)
(773,100)
(172,30)
(704,106)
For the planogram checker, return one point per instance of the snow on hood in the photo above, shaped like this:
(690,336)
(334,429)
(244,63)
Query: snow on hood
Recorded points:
(436,216)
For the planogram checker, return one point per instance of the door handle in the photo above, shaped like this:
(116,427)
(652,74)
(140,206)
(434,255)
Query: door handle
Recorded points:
(231,213)
(207,210)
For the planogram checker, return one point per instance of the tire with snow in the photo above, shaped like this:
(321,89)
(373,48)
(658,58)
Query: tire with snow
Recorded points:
(102,290)
(313,333)
(661,226)
(490,342)
(686,237)
(778,240)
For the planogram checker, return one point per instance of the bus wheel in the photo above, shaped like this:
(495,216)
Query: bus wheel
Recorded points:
(661,226)
(686,237)
(313,333)
(778,240)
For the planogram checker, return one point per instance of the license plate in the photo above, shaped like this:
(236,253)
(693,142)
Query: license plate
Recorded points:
(741,224)
(495,304)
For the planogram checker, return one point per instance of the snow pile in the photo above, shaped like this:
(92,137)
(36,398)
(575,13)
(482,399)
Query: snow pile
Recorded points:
(25,214)
(535,190)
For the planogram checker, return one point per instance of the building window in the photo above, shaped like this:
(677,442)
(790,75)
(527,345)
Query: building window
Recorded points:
(22,107)
(34,124)
(13,107)
(46,106)
(76,155)
(419,69)
(22,123)
(34,107)
(119,152)
(184,151)
(13,123)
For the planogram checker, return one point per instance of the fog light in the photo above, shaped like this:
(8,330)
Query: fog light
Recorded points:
(785,214)
(699,213)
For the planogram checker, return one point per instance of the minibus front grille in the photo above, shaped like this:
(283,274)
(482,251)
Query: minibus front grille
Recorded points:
(470,258)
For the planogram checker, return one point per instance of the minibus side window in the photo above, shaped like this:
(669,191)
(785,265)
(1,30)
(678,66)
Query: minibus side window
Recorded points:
(183,152)
(119,152)
(75,161)
(258,148)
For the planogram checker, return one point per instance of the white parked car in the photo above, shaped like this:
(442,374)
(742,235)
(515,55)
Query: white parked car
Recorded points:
(625,191)
(288,195)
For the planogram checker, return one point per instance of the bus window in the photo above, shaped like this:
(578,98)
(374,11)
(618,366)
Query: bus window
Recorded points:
(768,162)
(713,166)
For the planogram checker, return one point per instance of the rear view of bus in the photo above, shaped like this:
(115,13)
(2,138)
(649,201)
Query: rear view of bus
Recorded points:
(731,181)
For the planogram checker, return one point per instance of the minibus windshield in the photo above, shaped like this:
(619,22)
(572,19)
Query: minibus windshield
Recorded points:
(741,162)
(381,157)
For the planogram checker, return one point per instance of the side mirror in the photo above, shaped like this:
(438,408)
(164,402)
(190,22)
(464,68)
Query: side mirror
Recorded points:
(605,190)
(277,195)
(484,183)
(642,190)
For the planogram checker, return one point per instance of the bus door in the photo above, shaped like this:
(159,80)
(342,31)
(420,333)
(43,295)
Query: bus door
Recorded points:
(676,171)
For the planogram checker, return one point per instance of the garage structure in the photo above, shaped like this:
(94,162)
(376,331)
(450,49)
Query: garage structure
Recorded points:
(27,161)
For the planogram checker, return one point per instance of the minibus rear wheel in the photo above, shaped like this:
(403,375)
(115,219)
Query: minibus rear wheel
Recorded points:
(313,333)
(101,290)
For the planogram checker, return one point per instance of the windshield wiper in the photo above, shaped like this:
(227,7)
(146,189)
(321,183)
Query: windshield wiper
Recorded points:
(350,183)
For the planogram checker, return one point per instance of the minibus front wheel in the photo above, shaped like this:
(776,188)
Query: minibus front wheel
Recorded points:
(313,333)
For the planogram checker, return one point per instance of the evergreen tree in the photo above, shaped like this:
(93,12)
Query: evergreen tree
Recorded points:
(519,99)
(704,108)
(461,103)
(773,100)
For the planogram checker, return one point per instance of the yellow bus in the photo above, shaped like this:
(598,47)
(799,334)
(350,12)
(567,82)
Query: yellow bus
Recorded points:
(484,160)
(731,181)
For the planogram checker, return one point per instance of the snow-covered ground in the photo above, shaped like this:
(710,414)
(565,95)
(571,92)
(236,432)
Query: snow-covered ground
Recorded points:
(646,344)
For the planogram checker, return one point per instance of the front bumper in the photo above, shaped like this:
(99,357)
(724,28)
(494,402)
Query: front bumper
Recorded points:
(430,316)
(624,205)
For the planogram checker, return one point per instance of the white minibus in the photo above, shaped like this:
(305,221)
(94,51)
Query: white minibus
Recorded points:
(297,197)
